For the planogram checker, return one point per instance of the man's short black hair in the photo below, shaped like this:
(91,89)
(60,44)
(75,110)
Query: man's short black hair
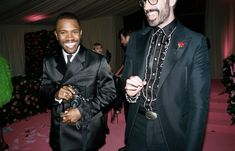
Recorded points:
(67,15)
(97,44)
(124,32)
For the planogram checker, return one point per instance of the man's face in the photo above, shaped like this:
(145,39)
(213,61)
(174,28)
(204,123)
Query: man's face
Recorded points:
(159,14)
(68,33)
(98,49)
(124,40)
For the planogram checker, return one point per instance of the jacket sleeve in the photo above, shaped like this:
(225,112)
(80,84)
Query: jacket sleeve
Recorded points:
(199,98)
(105,94)
(47,87)
(128,64)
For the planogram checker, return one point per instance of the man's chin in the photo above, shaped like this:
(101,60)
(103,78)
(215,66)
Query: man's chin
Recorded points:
(152,23)
(70,50)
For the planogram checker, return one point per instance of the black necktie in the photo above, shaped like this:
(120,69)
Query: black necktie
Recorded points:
(68,59)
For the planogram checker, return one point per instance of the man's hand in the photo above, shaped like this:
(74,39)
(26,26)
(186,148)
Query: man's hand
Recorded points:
(70,116)
(134,85)
(66,92)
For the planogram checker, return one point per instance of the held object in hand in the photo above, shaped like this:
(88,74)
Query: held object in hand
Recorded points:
(76,99)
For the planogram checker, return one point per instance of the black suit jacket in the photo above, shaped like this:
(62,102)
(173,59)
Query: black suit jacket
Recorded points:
(90,74)
(184,86)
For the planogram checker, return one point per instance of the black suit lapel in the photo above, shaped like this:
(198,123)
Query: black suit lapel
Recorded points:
(61,65)
(177,46)
(141,53)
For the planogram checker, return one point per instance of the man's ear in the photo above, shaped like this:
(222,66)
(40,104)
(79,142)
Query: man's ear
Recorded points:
(55,34)
(80,32)
(172,3)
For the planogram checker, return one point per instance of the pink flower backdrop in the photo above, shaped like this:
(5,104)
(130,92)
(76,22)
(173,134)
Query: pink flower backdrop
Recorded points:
(25,100)
(229,83)
(37,46)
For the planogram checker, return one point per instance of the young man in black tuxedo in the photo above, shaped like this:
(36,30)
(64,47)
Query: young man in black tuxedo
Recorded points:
(79,85)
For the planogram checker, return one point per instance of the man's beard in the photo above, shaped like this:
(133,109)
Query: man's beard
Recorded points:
(161,18)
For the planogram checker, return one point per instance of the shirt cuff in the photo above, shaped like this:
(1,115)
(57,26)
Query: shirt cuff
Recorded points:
(132,99)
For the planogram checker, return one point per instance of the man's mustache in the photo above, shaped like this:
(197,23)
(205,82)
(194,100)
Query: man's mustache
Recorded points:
(151,10)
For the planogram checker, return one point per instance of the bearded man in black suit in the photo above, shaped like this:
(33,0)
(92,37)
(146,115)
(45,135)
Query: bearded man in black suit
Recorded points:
(167,83)
(79,84)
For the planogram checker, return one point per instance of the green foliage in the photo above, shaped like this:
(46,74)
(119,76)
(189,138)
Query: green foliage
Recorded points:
(5,82)
(229,83)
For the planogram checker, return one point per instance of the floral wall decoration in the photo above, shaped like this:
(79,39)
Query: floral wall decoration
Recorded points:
(37,46)
(229,83)
(25,101)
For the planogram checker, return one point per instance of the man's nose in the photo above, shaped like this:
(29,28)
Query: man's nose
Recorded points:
(70,36)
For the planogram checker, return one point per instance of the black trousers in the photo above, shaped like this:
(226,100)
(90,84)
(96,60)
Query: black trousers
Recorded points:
(146,136)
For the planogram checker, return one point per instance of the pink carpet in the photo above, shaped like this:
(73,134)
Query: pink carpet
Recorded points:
(32,134)
(220,134)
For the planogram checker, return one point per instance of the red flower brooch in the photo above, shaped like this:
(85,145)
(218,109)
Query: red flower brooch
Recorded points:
(181,44)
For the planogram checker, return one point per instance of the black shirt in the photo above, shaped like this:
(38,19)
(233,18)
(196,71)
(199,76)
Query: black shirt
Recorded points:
(154,63)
